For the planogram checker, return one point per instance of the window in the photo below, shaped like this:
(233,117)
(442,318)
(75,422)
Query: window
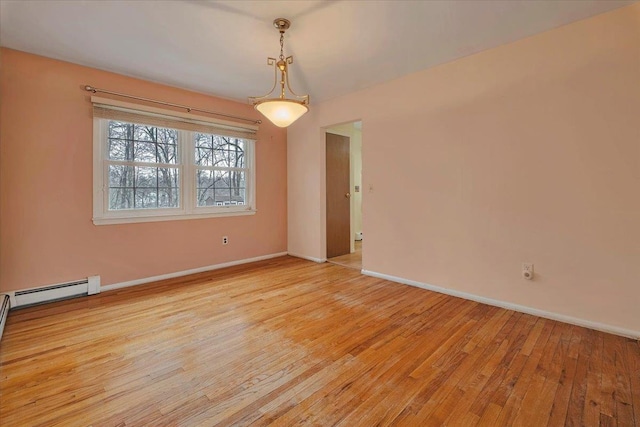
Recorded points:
(142,167)
(220,169)
(148,168)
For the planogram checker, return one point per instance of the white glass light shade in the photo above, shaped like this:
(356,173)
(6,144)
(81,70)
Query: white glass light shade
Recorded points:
(282,112)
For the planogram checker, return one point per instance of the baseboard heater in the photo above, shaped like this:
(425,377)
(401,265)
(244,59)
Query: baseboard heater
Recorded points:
(28,297)
(45,294)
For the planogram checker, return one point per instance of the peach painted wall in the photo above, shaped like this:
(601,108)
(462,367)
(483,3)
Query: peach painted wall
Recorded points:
(529,152)
(46,232)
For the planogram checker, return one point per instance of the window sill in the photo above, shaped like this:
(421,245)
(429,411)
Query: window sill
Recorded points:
(155,218)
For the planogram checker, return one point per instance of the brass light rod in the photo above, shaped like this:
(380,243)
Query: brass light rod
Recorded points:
(169,104)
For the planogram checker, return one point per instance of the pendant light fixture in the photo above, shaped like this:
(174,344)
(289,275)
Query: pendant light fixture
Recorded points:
(280,110)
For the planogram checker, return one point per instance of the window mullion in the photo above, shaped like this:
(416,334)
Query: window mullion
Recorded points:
(250,175)
(221,168)
(103,148)
(142,164)
(155,145)
(188,174)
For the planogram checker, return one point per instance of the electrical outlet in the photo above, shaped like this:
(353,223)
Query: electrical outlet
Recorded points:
(527,270)
(225,240)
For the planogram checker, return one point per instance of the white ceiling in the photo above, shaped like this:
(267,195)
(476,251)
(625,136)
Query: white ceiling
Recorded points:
(220,47)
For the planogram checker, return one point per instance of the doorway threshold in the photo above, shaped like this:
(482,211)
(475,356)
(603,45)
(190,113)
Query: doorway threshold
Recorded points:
(353,260)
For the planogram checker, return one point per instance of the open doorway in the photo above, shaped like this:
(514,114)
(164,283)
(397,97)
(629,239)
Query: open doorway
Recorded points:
(344,194)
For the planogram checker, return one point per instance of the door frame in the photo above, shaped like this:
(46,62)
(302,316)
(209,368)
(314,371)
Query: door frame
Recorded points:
(323,186)
(342,233)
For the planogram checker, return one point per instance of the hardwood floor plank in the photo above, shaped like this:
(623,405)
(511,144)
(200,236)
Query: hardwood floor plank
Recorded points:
(594,393)
(516,362)
(608,377)
(480,373)
(586,368)
(508,333)
(622,394)
(490,415)
(545,342)
(632,348)
(565,382)
(537,404)
(456,385)
(290,342)
(384,405)
(427,400)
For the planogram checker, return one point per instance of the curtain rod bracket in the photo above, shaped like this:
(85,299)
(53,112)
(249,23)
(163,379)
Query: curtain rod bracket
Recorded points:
(189,109)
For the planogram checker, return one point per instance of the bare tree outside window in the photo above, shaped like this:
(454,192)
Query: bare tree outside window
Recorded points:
(142,164)
(221,170)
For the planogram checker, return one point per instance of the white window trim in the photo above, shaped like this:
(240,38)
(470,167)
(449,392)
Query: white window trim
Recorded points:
(188,209)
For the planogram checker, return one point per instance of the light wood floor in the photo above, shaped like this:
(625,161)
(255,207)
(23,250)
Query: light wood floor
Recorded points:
(288,341)
(353,260)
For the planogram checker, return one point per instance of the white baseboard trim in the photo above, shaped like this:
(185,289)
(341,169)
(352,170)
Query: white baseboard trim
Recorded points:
(310,258)
(187,272)
(510,306)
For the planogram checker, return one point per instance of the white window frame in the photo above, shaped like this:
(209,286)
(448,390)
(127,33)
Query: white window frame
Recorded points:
(187,168)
